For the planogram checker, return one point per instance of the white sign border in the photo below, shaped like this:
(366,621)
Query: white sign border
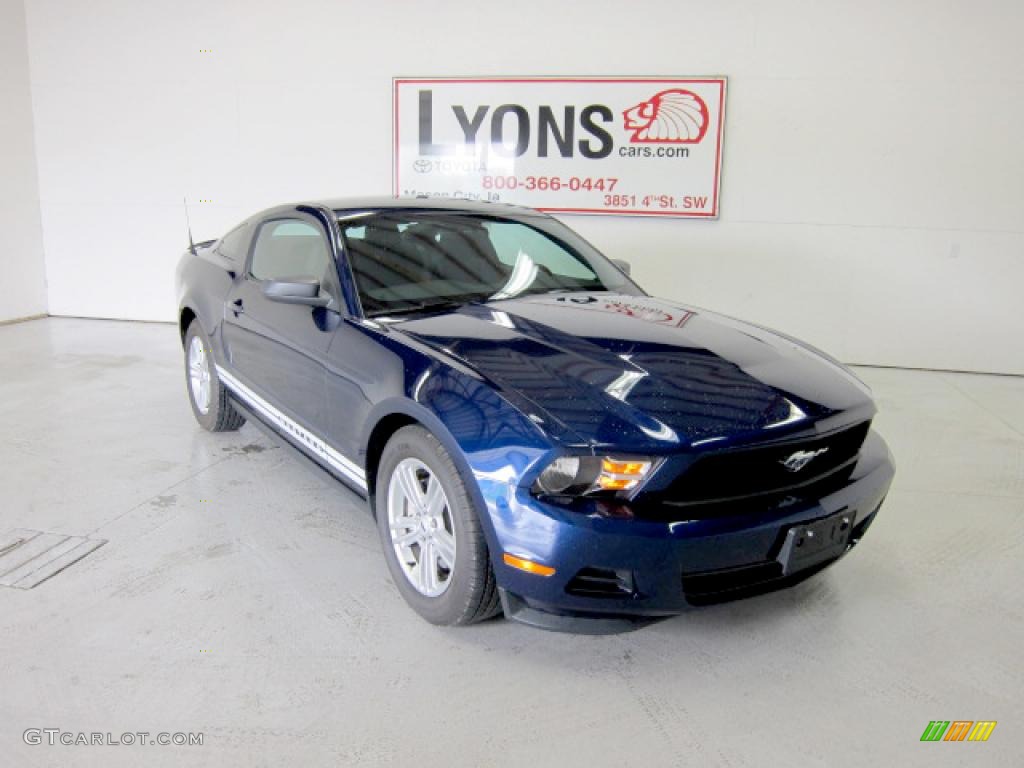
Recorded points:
(722,80)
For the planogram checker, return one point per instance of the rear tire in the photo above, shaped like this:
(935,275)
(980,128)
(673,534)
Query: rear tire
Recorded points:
(430,532)
(208,397)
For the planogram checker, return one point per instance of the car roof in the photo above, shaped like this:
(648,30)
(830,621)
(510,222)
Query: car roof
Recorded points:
(353,204)
(346,206)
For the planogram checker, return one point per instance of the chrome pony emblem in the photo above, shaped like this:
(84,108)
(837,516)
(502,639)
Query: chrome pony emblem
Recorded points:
(797,461)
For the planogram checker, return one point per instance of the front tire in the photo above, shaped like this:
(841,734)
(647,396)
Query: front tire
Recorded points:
(430,532)
(208,397)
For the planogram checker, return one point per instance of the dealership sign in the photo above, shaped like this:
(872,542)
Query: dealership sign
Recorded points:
(636,146)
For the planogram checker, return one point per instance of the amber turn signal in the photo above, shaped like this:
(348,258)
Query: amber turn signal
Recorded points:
(528,565)
(621,474)
(615,467)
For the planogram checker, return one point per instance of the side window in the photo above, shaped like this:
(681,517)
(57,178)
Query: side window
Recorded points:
(232,245)
(290,248)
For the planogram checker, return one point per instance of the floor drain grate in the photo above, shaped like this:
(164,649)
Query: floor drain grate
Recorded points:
(28,558)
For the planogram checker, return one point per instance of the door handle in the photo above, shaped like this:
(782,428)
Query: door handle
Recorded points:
(237,307)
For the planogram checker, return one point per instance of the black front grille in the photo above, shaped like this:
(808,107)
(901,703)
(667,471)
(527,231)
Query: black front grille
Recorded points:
(722,586)
(776,501)
(745,472)
(711,583)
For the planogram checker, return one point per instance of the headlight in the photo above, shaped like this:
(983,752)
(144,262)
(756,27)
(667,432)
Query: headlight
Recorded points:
(560,475)
(577,475)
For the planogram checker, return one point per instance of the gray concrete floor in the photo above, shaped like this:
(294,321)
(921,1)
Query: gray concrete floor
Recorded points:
(244,595)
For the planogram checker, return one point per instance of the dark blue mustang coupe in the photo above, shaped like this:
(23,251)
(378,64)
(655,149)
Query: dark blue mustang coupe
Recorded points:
(533,432)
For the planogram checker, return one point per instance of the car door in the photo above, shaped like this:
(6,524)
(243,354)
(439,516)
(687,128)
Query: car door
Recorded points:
(277,349)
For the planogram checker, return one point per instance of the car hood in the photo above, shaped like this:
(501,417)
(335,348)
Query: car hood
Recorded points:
(637,373)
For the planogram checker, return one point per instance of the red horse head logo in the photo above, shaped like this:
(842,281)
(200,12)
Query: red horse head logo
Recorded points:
(674,116)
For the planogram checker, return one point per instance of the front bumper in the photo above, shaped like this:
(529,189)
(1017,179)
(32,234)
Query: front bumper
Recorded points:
(649,569)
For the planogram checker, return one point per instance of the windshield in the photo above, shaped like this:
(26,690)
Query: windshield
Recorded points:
(408,260)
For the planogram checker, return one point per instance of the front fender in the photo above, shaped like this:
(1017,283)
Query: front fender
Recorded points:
(491,442)
(202,287)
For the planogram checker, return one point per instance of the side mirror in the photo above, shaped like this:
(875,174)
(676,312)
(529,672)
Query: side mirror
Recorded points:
(622,264)
(295,290)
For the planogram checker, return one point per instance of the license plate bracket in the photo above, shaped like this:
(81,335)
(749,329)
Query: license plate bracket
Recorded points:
(809,544)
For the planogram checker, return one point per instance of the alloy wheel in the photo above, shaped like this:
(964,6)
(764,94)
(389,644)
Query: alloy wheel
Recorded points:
(421,526)
(199,375)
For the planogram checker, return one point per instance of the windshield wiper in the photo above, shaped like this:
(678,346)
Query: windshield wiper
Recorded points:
(425,306)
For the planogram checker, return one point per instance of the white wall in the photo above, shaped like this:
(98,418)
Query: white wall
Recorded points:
(22,274)
(873,183)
